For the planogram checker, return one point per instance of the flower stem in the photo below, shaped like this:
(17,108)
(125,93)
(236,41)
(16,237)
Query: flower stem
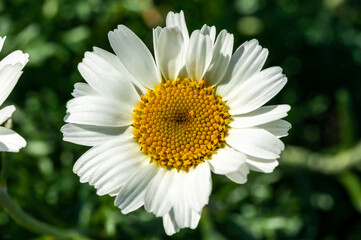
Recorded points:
(32,224)
(4,169)
(321,162)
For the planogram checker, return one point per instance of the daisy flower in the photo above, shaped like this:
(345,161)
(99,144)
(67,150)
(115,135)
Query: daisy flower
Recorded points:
(159,126)
(10,71)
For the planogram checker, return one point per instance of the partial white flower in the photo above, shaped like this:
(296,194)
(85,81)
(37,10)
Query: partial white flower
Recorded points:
(10,71)
(159,127)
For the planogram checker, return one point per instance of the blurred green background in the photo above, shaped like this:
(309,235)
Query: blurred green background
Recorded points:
(315,193)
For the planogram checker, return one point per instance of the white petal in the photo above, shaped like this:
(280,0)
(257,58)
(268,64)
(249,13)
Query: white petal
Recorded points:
(178,20)
(240,176)
(257,91)
(156,33)
(169,223)
(135,56)
(109,179)
(184,215)
(110,165)
(100,73)
(158,196)
(170,52)
(117,64)
(9,76)
(247,60)
(279,128)
(210,31)
(199,55)
(199,184)
(261,165)
(222,53)
(255,142)
(179,196)
(10,141)
(260,116)
(90,158)
(6,113)
(2,40)
(195,219)
(98,111)
(131,195)
(14,58)
(88,135)
(83,89)
(226,160)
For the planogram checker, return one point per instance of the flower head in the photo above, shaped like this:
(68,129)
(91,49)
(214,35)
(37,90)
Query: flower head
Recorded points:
(10,71)
(159,128)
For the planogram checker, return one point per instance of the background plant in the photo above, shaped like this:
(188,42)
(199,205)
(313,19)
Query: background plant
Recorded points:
(315,193)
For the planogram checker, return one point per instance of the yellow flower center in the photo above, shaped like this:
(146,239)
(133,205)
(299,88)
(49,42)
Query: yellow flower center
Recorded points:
(180,123)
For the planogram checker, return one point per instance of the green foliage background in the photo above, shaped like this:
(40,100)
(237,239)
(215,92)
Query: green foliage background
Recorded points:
(315,193)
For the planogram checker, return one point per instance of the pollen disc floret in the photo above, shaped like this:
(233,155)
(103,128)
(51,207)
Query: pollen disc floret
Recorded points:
(180,123)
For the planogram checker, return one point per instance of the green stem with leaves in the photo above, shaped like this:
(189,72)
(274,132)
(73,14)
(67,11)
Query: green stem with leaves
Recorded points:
(24,219)
(4,169)
(320,162)
(34,225)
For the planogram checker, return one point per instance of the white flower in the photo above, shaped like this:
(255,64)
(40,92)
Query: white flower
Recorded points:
(10,71)
(158,128)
